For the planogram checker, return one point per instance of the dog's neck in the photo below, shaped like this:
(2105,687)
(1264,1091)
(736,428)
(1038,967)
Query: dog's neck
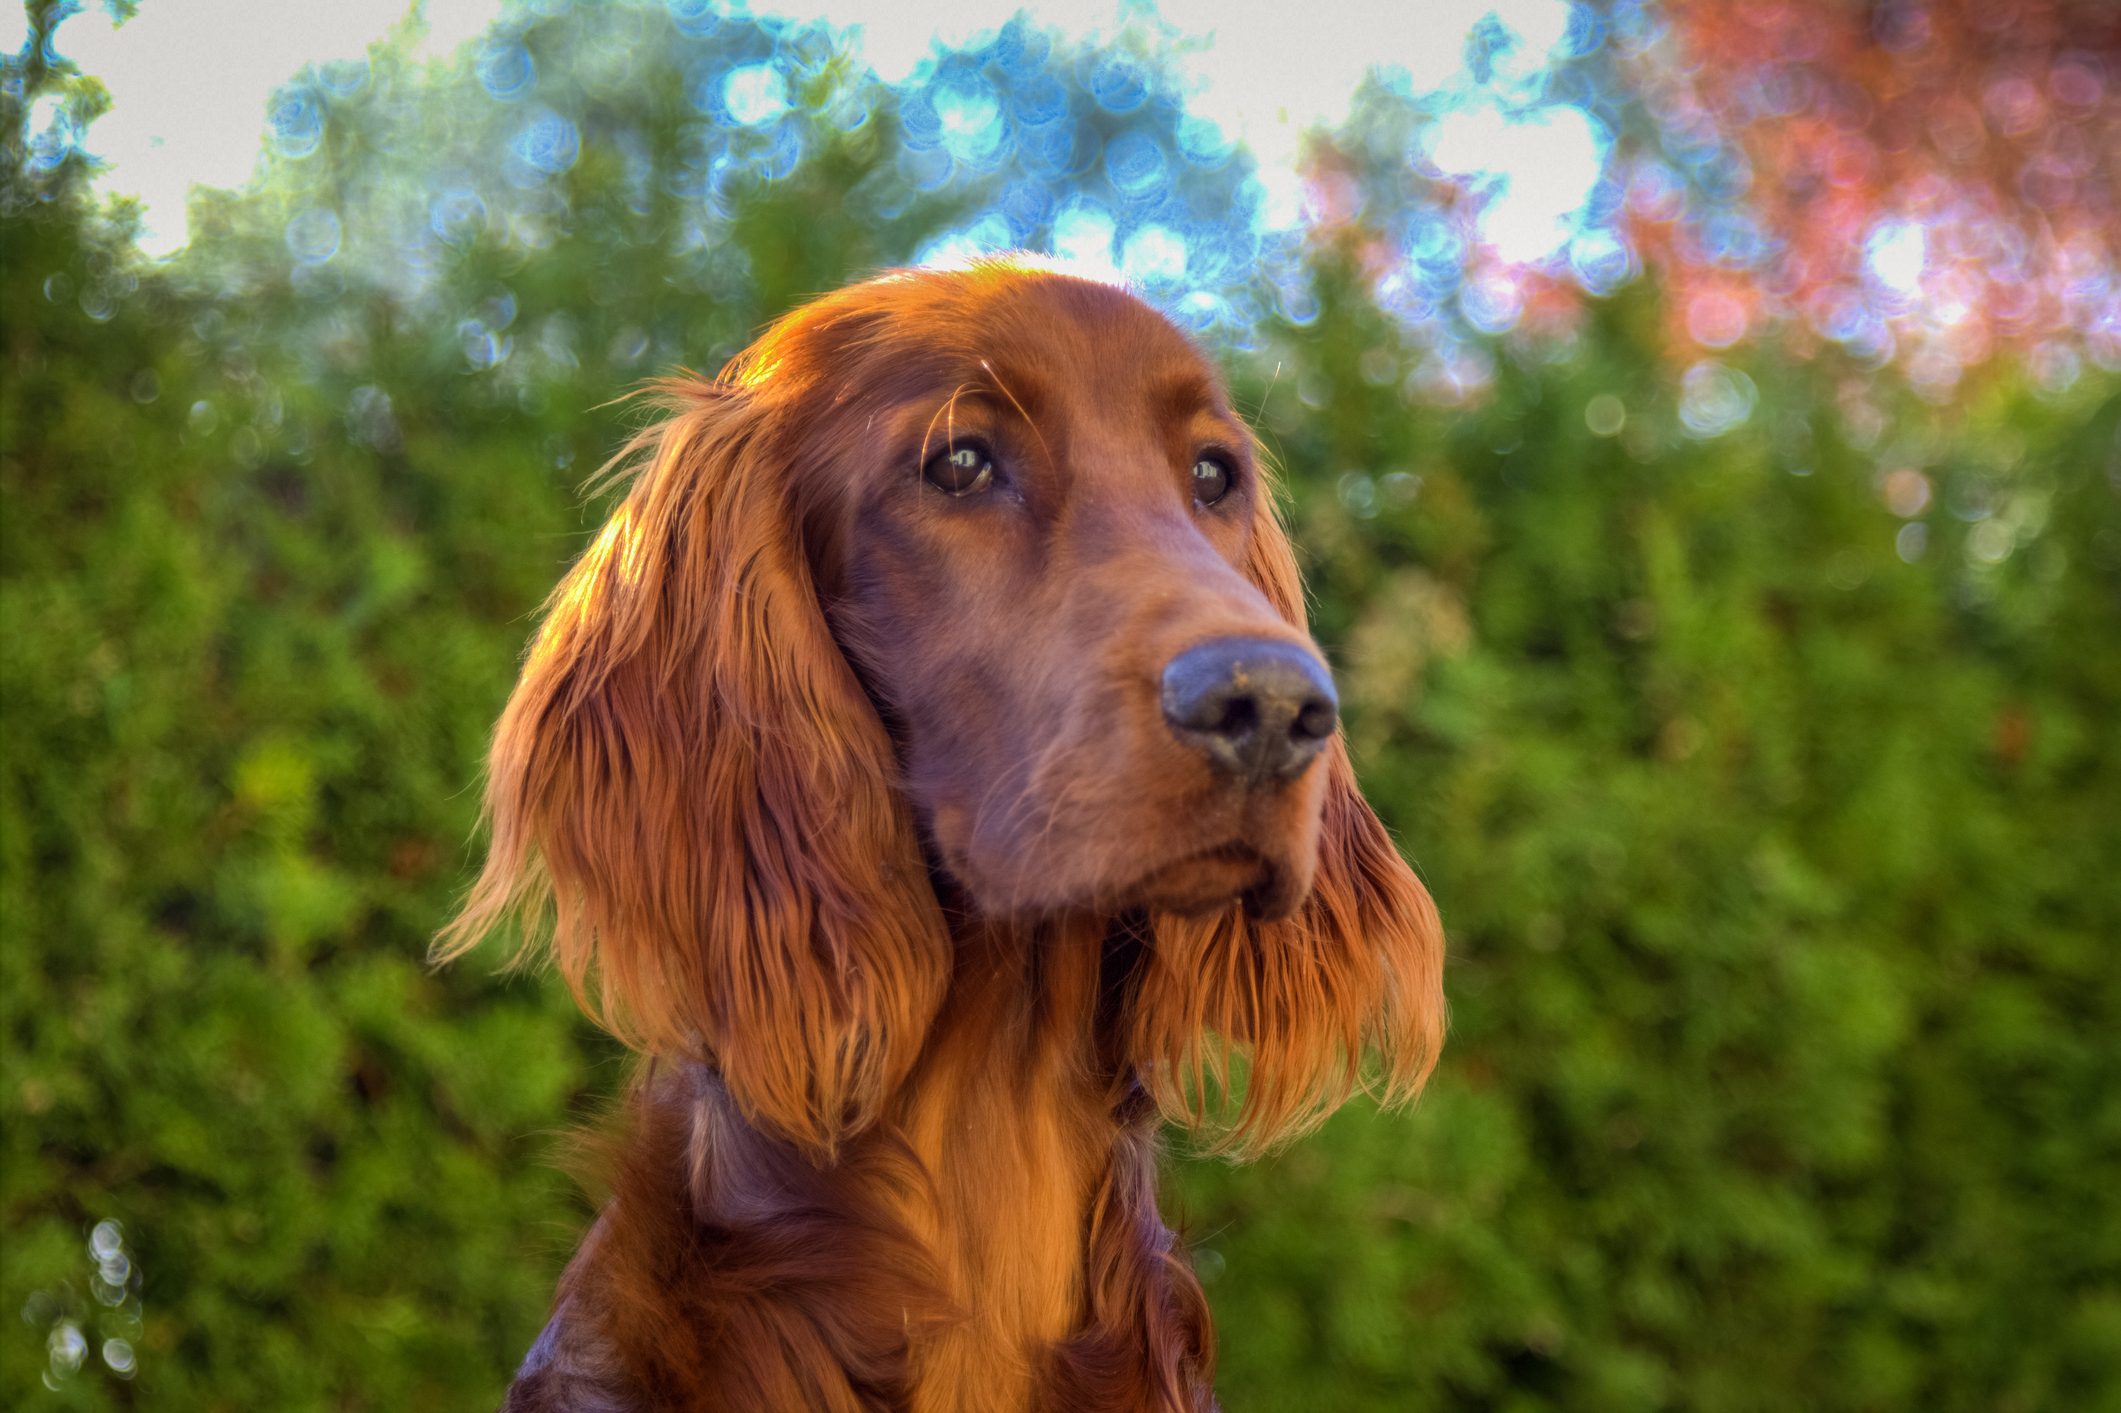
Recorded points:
(1016,1112)
(993,1243)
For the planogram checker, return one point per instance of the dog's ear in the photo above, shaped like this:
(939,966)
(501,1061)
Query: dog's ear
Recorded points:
(1255,1031)
(691,797)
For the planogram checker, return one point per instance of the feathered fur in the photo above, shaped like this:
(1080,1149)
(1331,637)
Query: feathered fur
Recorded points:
(851,808)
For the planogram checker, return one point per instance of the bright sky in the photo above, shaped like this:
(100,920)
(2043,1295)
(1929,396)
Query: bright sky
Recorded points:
(189,81)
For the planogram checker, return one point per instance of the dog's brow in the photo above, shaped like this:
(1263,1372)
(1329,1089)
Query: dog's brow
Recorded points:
(1182,395)
(1019,385)
(1017,403)
(949,408)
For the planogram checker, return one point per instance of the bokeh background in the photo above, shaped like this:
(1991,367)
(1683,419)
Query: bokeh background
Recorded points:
(1703,429)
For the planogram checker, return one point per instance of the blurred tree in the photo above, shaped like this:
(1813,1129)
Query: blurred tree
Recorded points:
(1742,708)
(1768,822)
(225,840)
(1936,177)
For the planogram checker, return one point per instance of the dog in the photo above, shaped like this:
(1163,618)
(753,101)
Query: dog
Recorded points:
(928,770)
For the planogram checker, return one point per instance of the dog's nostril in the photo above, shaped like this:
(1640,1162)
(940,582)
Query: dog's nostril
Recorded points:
(1235,715)
(1316,721)
(1257,708)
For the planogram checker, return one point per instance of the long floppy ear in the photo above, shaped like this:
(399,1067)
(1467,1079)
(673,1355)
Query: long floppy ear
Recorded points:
(1344,995)
(690,795)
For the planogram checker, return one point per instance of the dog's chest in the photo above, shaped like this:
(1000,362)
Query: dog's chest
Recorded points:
(1010,1127)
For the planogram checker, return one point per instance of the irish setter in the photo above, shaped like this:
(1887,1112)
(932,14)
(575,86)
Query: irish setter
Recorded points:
(929,771)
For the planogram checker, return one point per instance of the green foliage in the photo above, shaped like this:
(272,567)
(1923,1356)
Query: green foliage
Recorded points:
(1780,885)
(243,714)
(1779,870)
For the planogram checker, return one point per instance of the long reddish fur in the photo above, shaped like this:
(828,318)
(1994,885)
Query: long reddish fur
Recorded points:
(885,1151)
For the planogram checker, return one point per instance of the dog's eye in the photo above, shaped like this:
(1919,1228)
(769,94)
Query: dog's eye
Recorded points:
(1211,479)
(962,470)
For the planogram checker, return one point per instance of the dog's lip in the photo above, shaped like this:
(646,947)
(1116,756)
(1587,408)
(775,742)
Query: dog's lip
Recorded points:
(1250,868)
(1230,850)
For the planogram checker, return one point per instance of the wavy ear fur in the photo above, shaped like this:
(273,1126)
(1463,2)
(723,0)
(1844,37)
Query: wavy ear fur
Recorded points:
(692,799)
(1290,1013)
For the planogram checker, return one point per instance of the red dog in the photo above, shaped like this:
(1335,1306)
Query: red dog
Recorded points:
(929,770)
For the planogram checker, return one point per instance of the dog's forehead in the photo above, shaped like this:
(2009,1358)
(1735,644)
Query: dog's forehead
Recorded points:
(1064,333)
(1049,307)
(1080,352)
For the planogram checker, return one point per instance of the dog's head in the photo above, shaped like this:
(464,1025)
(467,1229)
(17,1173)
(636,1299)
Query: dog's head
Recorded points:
(965,582)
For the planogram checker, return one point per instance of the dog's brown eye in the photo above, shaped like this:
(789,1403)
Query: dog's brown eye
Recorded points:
(960,471)
(1211,479)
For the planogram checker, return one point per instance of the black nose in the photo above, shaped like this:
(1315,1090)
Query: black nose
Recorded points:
(1258,709)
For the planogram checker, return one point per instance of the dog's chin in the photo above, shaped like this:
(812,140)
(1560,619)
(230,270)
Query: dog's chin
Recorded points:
(1197,884)
(1204,883)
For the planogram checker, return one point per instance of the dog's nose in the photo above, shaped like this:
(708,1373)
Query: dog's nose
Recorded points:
(1260,710)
